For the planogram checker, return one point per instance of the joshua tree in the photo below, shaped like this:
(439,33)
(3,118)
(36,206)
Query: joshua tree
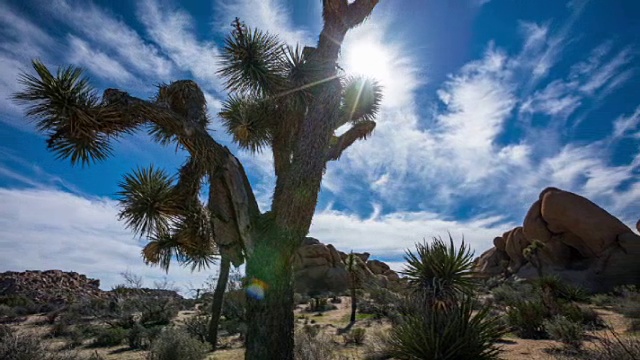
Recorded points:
(532,253)
(290,100)
(354,277)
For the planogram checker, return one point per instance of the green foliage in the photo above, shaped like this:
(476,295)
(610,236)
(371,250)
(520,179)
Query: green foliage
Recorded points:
(140,337)
(440,269)
(561,289)
(361,99)
(562,329)
(601,299)
(252,61)
(511,293)
(147,200)
(174,344)
(62,106)
(320,304)
(449,333)
(582,315)
(526,319)
(355,336)
(107,337)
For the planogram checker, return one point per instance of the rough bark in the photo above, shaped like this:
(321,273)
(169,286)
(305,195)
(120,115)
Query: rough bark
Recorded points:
(354,304)
(270,313)
(216,305)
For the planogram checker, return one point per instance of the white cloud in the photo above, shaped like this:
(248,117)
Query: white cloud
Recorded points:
(627,124)
(111,35)
(98,62)
(388,236)
(49,229)
(172,29)
(272,16)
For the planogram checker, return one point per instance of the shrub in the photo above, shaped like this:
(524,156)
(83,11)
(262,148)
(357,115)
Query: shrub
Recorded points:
(629,307)
(582,315)
(355,336)
(601,300)
(526,319)
(613,348)
(198,327)
(449,333)
(320,304)
(110,336)
(158,312)
(308,347)
(634,326)
(173,344)
(570,333)
(15,346)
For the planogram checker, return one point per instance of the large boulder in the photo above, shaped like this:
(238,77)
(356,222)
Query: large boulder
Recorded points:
(320,268)
(582,243)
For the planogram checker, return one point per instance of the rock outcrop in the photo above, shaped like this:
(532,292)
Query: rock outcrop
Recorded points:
(50,287)
(320,268)
(61,287)
(581,242)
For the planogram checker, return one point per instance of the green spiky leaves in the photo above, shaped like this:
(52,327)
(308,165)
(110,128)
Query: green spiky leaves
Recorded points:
(440,269)
(361,99)
(252,61)
(148,202)
(177,227)
(65,107)
(248,121)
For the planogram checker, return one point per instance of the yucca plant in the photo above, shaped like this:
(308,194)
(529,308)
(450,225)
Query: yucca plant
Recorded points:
(439,270)
(454,333)
(290,99)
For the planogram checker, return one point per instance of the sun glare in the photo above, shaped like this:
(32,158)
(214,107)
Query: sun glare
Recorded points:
(368,59)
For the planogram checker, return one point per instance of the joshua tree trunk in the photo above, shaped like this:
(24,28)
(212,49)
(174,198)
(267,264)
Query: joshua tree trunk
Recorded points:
(270,303)
(354,303)
(218,298)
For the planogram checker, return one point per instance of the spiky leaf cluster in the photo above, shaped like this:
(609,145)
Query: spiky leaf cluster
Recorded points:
(153,205)
(439,269)
(63,107)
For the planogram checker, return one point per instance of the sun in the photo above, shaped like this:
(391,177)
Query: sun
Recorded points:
(369,59)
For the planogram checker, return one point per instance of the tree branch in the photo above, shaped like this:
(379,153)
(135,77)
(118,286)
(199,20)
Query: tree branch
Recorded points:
(231,200)
(358,11)
(358,131)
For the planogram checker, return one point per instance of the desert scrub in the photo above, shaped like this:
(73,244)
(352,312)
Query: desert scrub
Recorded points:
(355,336)
(110,336)
(310,346)
(526,319)
(174,344)
(198,327)
(14,346)
(568,332)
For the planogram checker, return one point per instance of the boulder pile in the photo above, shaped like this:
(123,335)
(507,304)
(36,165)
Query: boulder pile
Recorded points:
(574,239)
(320,268)
(50,287)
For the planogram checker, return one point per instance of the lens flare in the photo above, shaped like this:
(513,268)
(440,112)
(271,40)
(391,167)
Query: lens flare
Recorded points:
(256,289)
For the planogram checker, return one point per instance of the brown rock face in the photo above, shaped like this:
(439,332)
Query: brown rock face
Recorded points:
(320,268)
(582,243)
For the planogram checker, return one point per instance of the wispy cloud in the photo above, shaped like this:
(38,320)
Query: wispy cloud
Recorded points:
(171,28)
(114,36)
(272,16)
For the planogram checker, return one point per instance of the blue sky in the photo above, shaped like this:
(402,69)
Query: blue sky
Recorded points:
(486,103)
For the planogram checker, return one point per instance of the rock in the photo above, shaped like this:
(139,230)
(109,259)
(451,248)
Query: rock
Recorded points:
(582,243)
(320,268)
(515,243)
(50,287)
